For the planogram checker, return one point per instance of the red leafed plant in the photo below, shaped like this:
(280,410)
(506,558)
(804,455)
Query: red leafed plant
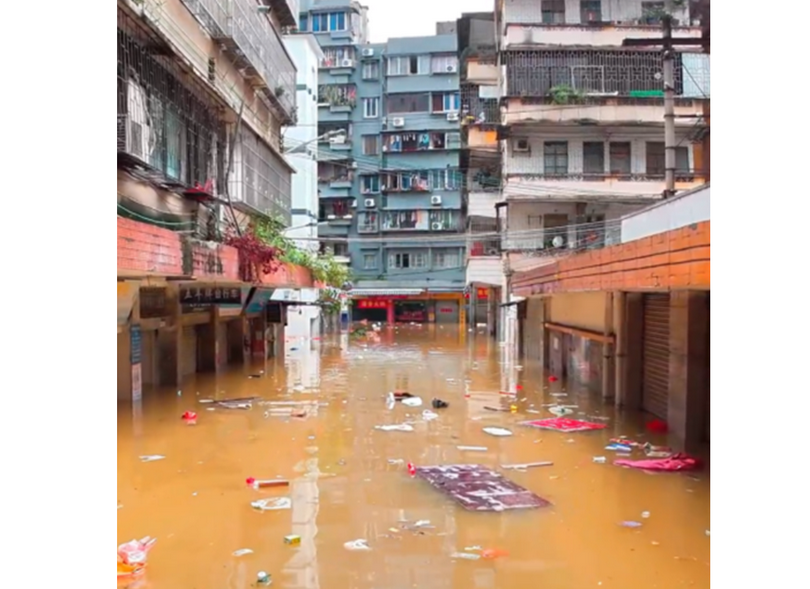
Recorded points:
(256,258)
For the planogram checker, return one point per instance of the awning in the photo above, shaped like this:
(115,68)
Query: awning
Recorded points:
(295,295)
(385,292)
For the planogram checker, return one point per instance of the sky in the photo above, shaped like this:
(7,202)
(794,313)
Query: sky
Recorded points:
(416,18)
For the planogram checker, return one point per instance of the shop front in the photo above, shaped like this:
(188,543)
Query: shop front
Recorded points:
(211,327)
(413,306)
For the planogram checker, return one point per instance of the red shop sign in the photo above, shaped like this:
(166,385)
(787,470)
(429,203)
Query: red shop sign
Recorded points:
(369,304)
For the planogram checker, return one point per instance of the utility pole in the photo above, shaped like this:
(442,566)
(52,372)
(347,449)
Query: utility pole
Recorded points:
(668,44)
(669,107)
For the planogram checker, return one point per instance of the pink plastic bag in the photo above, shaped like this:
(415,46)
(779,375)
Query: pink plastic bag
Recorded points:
(136,551)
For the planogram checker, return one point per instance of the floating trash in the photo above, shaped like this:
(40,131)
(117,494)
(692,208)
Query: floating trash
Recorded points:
(151,457)
(242,552)
(272,504)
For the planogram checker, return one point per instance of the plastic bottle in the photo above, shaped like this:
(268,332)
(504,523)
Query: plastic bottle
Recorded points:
(266,483)
(465,556)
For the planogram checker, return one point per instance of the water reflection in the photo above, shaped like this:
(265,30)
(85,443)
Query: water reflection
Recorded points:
(344,485)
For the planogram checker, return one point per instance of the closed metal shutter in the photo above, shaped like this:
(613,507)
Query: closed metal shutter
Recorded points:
(188,351)
(655,397)
(447,312)
(707,416)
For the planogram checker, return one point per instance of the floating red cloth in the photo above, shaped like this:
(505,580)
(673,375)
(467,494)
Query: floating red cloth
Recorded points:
(675,463)
(562,424)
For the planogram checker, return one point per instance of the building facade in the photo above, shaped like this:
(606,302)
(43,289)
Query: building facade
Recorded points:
(582,130)
(389,175)
(201,103)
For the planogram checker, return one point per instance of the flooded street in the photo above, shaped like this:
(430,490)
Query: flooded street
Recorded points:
(346,482)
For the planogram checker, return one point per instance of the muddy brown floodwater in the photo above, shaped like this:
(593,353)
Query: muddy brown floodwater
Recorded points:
(343,487)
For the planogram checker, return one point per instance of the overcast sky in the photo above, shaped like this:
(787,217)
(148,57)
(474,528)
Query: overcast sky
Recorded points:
(415,18)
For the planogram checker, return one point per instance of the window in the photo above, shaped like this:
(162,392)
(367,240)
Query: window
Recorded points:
(328,21)
(655,158)
(555,157)
(340,249)
(403,66)
(651,13)
(370,184)
(334,56)
(620,157)
(553,12)
(367,222)
(399,220)
(444,179)
(443,220)
(371,70)
(406,260)
(370,261)
(534,221)
(405,103)
(682,161)
(593,157)
(371,108)
(303,23)
(590,11)
(371,144)
(448,258)
(443,64)
(406,142)
(406,181)
(337,94)
(445,102)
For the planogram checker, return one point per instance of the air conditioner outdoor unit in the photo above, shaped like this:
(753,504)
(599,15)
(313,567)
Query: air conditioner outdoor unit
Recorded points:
(352,204)
(436,226)
(346,63)
(353,165)
(452,116)
(436,200)
(521,145)
(492,252)
(398,122)
(339,140)
(451,69)
(368,52)
(331,217)
(369,203)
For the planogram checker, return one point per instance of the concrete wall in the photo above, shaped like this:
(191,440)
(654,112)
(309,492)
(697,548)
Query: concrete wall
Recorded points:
(306,54)
(584,310)
(684,209)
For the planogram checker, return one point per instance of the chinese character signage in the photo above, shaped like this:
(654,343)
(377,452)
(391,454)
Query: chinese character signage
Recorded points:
(369,304)
(153,302)
(193,298)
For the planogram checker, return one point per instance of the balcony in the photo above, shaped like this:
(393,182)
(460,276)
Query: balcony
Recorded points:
(166,124)
(287,11)
(596,110)
(254,45)
(585,35)
(485,74)
(260,181)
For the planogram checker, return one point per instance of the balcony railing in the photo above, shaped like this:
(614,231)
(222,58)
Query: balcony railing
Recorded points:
(286,10)
(254,44)
(557,241)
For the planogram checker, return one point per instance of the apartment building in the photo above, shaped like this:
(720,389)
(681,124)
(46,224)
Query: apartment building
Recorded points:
(583,119)
(390,185)
(204,88)
(480,164)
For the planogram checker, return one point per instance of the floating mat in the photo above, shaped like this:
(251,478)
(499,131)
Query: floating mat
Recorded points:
(476,488)
(562,424)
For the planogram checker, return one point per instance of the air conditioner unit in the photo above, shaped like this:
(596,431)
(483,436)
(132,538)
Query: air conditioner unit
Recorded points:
(339,140)
(521,146)
(369,203)
(452,68)
(368,52)
(352,204)
(331,217)
(435,199)
(346,63)
(353,165)
(452,116)
(436,226)
(398,122)
(135,140)
(492,251)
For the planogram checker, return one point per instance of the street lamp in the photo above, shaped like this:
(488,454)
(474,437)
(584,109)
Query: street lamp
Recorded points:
(328,135)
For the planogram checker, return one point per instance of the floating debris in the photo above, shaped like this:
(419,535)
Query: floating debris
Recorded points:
(499,432)
(526,465)
(272,504)
(242,552)
(151,457)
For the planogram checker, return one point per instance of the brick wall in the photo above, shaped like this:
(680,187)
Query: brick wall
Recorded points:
(677,259)
(146,249)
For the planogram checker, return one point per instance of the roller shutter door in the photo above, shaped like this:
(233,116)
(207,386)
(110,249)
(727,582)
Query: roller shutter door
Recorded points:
(188,351)
(447,312)
(655,397)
